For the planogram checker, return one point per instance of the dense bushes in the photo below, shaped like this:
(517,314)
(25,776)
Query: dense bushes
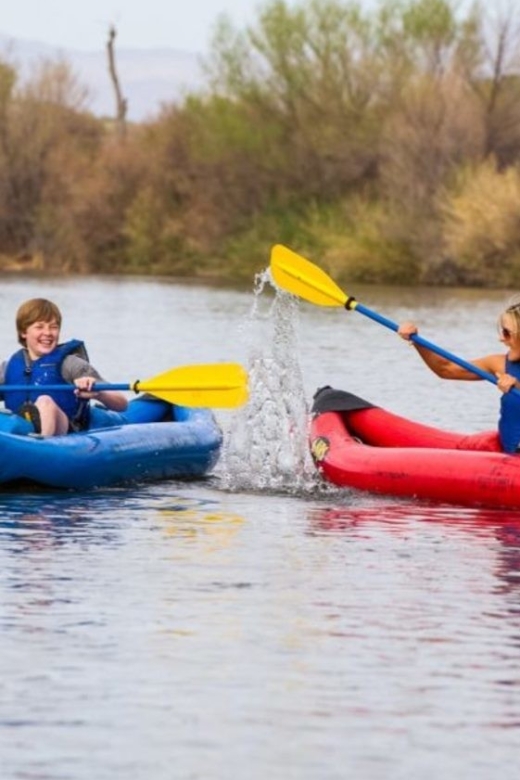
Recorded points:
(384,142)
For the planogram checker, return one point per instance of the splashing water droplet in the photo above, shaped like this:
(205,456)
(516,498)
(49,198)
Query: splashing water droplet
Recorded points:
(266,447)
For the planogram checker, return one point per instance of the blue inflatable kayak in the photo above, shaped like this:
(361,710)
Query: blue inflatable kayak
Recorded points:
(153,440)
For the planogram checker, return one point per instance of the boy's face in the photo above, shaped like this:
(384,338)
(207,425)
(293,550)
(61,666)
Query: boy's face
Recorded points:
(41,338)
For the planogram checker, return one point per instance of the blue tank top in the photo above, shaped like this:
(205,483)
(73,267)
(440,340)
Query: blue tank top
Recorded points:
(509,422)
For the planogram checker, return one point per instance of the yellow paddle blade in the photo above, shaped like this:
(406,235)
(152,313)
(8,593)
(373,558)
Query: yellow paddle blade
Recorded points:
(222,385)
(302,278)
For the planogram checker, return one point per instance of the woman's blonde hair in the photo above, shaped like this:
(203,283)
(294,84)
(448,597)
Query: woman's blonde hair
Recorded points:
(35,310)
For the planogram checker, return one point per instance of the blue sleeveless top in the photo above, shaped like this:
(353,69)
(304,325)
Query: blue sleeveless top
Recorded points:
(509,422)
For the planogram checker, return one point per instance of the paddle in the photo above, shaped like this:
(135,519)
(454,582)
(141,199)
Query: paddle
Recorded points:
(302,278)
(221,385)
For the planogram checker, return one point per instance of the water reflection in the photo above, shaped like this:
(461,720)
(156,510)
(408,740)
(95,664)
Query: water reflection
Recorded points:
(38,520)
(201,522)
(498,530)
(399,514)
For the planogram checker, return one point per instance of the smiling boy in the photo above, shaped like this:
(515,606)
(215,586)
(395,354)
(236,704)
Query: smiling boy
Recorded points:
(44,361)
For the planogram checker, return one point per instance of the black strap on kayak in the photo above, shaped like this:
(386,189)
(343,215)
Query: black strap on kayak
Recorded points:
(327,399)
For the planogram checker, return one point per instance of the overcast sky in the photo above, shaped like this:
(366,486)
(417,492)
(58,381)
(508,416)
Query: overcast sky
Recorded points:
(179,24)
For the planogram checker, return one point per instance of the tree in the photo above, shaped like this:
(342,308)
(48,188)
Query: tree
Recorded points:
(121,102)
(46,145)
(496,81)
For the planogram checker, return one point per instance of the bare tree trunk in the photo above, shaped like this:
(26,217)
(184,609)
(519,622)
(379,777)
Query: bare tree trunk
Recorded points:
(121,102)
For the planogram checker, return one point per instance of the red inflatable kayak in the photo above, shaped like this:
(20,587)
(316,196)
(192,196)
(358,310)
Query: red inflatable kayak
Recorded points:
(357,445)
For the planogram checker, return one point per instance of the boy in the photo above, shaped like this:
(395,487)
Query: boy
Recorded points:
(44,361)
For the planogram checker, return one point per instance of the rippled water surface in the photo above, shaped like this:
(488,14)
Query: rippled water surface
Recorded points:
(258,624)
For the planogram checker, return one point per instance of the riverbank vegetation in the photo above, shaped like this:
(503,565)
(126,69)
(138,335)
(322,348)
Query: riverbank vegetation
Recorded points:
(382,143)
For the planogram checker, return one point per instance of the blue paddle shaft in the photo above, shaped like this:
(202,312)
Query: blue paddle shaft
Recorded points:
(49,388)
(373,315)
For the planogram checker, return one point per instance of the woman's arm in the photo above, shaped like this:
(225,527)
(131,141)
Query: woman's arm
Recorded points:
(446,369)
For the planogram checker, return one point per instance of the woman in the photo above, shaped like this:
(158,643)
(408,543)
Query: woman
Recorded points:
(44,361)
(506,368)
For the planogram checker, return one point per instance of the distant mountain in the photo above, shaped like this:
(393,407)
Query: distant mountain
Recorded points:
(148,77)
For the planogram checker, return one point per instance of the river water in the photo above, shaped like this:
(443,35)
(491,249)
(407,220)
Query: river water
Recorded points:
(258,624)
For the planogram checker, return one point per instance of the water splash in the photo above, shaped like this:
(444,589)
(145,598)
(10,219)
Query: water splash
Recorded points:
(266,447)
